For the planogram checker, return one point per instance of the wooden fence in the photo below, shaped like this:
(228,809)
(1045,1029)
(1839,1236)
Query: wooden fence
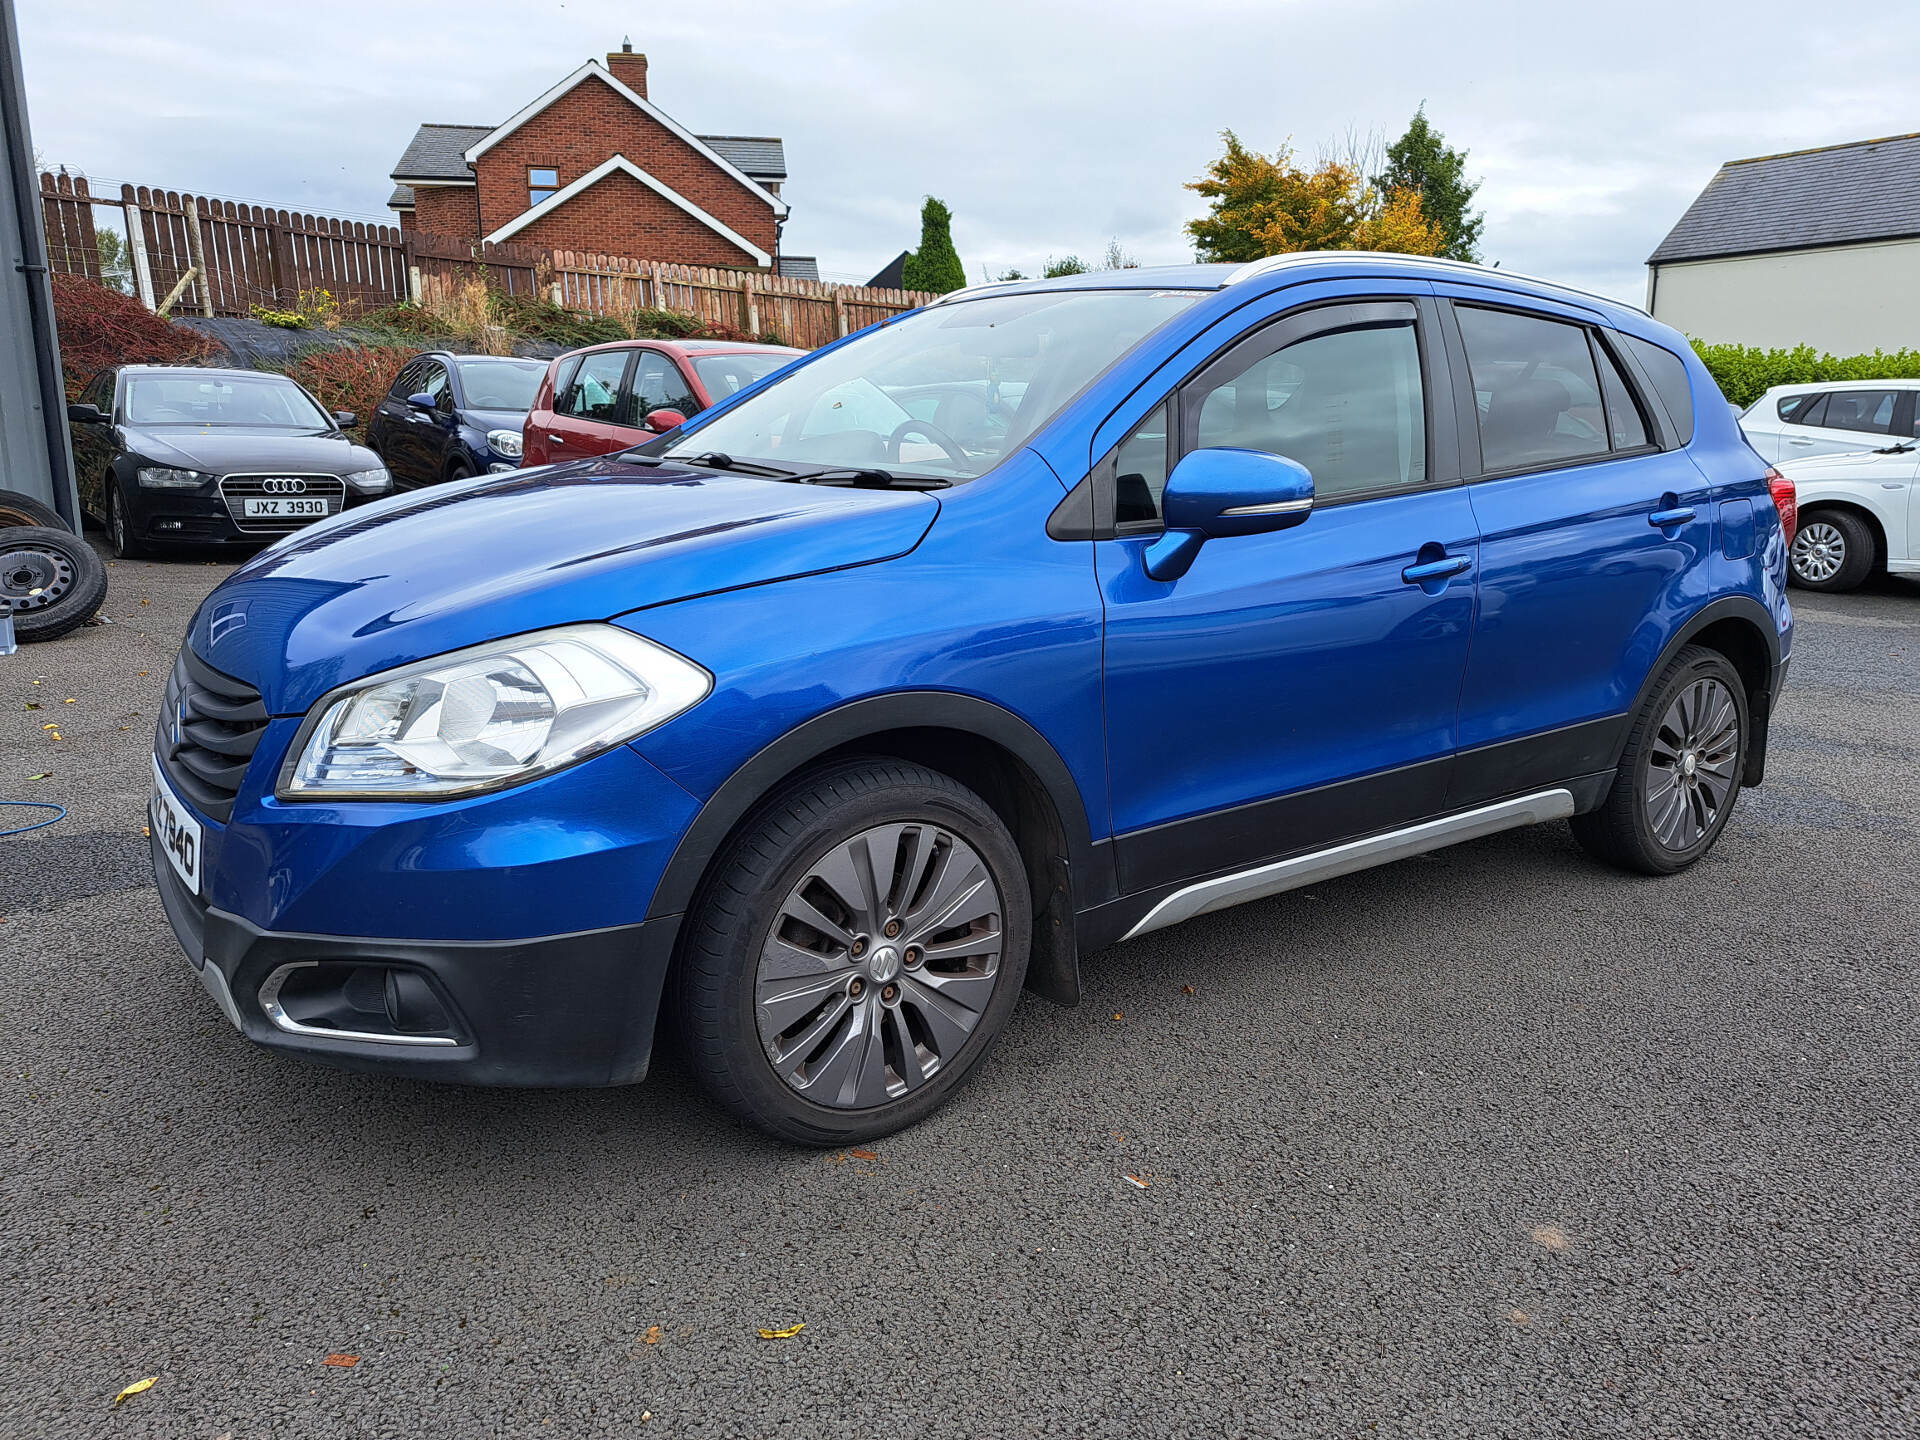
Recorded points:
(191,255)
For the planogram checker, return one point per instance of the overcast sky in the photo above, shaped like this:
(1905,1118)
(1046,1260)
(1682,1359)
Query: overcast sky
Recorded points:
(1048,128)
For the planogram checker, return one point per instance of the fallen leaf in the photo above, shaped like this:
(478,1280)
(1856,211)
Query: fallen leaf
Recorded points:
(1550,1237)
(653,1336)
(1136,1182)
(69,699)
(1518,1317)
(1186,990)
(838,1157)
(135,1388)
(146,832)
(786,1334)
(1119,1014)
(51,725)
(33,705)
(143,672)
(145,601)
(43,775)
(344,1362)
(863,1154)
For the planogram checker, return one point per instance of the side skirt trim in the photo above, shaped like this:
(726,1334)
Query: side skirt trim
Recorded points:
(1263,880)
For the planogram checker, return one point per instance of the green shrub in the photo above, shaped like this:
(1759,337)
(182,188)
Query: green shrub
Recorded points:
(659,323)
(1745,373)
(935,267)
(533,319)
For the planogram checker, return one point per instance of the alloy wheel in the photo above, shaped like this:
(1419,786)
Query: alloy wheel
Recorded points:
(879,965)
(1690,764)
(1819,550)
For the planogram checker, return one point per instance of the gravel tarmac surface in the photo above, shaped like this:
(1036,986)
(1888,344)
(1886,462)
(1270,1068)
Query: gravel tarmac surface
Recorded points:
(1489,1143)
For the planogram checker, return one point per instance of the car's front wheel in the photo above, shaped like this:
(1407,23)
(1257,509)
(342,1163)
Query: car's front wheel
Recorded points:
(856,951)
(120,534)
(1832,550)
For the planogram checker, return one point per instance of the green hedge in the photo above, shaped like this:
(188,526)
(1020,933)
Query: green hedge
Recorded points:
(1744,373)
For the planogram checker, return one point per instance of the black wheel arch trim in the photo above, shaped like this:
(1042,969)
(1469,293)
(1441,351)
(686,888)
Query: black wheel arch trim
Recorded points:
(1760,703)
(856,720)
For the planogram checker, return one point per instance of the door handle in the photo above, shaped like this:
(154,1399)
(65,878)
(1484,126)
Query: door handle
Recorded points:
(556,440)
(1796,440)
(1678,515)
(1431,570)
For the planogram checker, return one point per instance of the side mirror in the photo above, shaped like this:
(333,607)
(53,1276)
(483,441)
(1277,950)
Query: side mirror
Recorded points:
(345,419)
(665,420)
(421,401)
(86,414)
(1222,492)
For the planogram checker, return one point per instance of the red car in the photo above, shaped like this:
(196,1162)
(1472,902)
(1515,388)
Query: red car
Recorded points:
(610,397)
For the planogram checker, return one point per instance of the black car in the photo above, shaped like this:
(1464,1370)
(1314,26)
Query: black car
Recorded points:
(182,454)
(447,417)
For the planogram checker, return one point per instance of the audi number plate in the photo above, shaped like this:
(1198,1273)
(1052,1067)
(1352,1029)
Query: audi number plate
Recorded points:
(283,507)
(178,832)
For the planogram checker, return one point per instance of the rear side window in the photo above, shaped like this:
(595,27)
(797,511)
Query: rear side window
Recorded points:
(1865,410)
(1626,426)
(594,393)
(1792,408)
(1668,372)
(1535,388)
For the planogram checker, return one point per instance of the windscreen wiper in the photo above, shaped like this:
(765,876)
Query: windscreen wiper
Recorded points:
(860,477)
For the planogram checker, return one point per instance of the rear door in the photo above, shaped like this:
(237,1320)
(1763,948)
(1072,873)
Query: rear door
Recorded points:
(590,414)
(1837,421)
(1296,688)
(1596,528)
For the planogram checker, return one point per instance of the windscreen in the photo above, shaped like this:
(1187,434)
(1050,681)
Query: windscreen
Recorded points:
(260,401)
(948,391)
(724,375)
(500,384)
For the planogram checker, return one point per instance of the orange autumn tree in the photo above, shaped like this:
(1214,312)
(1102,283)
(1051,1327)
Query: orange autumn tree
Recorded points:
(1267,205)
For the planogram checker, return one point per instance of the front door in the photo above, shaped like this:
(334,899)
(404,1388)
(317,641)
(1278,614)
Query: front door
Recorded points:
(415,442)
(93,444)
(590,416)
(1592,538)
(1297,688)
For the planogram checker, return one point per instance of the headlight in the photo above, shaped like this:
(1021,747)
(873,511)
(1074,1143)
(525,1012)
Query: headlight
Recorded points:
(158,477)
(505,442)
(369,482)
(489,717)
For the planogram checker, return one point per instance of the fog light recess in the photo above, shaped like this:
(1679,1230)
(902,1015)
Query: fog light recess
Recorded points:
(370,1001)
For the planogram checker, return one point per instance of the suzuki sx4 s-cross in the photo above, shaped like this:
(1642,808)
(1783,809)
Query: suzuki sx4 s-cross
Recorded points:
(1048,615)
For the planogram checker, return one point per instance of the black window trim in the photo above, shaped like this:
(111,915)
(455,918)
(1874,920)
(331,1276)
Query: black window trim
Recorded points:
(623,396)
(1268,337)
(1473,462)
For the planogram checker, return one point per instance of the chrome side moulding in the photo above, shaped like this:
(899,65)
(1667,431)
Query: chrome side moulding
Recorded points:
(1223,891)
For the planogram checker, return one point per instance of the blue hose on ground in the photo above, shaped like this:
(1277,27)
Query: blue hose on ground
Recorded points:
(32,805)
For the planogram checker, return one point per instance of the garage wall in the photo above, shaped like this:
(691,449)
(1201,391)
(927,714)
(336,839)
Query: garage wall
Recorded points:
(1844,299)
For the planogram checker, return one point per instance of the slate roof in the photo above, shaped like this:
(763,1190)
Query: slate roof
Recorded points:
(893,275)
(438,152)
(401,199)
(799,267)
(1836,195)
(758,157)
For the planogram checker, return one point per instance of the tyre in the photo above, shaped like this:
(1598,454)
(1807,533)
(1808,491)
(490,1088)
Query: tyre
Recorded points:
(854,953)
(52,578)
(1679,774)
(126,545)
(18,509)
(1832,550)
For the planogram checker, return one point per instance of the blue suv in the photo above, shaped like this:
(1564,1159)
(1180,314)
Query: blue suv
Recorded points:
(1043,617)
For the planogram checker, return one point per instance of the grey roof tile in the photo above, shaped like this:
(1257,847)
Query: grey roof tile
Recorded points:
(799,267)
(401,198)
(438,152)
(758,157)
(1840,194)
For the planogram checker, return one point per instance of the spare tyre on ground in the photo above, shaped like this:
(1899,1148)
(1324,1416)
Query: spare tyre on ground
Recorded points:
(18,509)
(51,579)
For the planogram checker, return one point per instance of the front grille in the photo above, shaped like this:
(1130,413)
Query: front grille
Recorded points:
(236,490)
(209,726)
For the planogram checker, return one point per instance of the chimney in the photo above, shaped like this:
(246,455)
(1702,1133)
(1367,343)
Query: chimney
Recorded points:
(628,68)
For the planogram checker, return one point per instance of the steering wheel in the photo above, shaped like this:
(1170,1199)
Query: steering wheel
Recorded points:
(927,431)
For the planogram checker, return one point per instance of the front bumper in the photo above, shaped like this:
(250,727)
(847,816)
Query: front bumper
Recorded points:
(191,517)
(564,1010)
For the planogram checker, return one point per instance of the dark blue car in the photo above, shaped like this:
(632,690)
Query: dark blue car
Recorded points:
(451,417)
(1038,619)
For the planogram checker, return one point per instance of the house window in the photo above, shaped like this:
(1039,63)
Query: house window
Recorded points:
(541,185)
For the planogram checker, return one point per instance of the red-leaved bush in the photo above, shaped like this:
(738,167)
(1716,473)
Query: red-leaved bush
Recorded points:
(351,379)
(100,328)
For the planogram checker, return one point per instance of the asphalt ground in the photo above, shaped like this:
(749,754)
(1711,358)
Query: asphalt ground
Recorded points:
(1490,1143)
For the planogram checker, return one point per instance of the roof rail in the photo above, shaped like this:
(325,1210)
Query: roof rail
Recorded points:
(1466,268)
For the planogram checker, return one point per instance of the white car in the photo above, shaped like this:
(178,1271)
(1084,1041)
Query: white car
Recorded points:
(1791,422)
(1856,511)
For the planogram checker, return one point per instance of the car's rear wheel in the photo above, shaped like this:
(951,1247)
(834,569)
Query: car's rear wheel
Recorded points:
(856,951)
(1679,774)
(1832,550)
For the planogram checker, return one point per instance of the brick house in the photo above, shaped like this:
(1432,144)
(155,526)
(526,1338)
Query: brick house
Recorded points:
(594,165)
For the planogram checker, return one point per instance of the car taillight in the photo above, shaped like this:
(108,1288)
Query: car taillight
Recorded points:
(1786,500)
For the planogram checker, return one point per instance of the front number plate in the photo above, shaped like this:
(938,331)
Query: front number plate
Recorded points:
(179,833)
(275,507)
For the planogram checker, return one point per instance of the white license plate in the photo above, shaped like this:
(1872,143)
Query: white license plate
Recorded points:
(179,833)
(279,507)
